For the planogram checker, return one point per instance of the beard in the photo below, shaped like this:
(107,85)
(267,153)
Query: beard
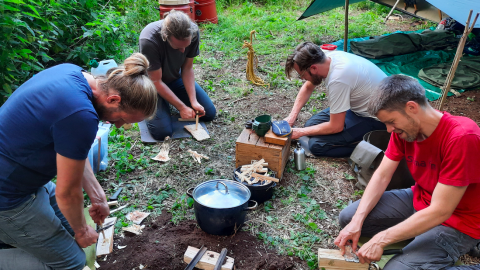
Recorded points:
(411,131)
(103,112)
(315,79)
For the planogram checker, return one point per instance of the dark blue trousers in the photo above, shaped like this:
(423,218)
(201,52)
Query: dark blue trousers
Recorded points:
(160,126)
(341,144)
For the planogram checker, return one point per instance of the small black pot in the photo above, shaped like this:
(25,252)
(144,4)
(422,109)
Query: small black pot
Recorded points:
(260,193)
(221,209)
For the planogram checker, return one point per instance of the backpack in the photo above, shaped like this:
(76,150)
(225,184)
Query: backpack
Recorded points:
(368,155)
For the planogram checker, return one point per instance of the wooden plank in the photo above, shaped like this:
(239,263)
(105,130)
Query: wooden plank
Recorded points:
(331,259)
(200,134)
(208,260)
(270,137)
(105,245)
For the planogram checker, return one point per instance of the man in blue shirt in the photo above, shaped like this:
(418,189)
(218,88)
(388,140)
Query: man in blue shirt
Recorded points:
(47,127)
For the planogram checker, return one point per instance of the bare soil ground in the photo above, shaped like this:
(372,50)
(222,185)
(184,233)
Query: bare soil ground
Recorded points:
(162,245)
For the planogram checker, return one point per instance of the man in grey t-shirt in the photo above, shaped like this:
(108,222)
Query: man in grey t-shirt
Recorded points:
(349,79)
(170,46)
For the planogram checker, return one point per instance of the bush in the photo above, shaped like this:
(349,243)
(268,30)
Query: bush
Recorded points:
(39,34)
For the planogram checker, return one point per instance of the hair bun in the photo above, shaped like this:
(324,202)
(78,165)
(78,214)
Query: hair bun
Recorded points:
(136,64)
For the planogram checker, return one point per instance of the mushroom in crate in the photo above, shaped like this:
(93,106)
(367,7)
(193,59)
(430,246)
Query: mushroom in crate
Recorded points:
(258,179)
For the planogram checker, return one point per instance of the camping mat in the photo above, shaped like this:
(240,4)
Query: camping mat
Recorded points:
(177,126)
(405,43)
(467,75)
(411,64)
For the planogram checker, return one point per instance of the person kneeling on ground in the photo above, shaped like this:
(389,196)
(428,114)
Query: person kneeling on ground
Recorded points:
(170,45)
(349,79)
(47,127)
(441,212)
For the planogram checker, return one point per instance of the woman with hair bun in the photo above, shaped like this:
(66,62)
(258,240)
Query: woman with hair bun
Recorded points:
(47,127)
(170,45)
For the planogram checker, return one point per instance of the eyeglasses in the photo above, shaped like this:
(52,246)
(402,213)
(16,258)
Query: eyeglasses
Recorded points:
(300,75)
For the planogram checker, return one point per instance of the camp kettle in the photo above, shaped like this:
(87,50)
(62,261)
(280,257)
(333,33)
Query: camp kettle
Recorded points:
(299,158)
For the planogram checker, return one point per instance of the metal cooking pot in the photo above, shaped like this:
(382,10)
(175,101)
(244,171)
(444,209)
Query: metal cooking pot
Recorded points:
(221,206)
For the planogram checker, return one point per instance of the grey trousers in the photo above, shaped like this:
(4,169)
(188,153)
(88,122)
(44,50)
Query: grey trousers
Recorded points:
(40,234)
(438,248)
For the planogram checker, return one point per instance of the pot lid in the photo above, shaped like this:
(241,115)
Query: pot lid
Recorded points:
(221,194)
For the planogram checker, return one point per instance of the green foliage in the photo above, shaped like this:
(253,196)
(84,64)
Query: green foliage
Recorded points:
(38,34)
(180,208)
(123,161)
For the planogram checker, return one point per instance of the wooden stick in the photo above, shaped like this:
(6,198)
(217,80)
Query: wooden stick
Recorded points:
(112,203)
(103,231)
(458,55)
(196,121)
(390,13)
(120,208)
(345,39)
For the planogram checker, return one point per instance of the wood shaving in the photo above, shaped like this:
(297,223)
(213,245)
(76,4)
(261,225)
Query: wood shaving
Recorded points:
(164,150)
(137,217)
(136,229)
(196,156)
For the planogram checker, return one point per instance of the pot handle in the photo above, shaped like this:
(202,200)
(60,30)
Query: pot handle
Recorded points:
(274,185)
(252,207)
(190,192)
(220,182)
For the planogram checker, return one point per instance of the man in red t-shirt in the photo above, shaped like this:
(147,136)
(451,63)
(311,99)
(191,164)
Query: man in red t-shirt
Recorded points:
(441,212)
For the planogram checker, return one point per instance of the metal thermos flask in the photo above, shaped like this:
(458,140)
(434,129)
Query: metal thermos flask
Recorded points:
(299,158)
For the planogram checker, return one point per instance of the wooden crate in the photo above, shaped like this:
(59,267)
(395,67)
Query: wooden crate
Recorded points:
(255,148)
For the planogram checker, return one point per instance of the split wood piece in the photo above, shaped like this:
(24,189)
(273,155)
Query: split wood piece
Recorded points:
(196,121)
(208,260)
(112,203)
(199,134)
(248,172)
(135,229)
(330,259)
(163,155)
(270,137)
(118,209)
(105,245)
(196,156)
(264,164)
(86,268)
(264,177)
(243,178)
(186,119)
(97,265)
(262,170)
(137,217)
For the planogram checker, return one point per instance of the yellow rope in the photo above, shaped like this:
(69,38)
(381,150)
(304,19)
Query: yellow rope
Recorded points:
(252,62)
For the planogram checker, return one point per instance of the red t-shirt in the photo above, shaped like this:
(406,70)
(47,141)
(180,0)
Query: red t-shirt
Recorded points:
(451,156)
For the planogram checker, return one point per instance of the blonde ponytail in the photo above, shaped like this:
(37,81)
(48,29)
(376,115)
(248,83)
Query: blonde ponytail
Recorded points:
(132,83)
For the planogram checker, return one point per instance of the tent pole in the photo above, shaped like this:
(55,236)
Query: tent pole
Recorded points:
(393,8)
(345,39)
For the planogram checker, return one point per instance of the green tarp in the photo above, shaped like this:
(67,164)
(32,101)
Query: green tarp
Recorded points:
(410,64)
(405,43)
(467,75)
